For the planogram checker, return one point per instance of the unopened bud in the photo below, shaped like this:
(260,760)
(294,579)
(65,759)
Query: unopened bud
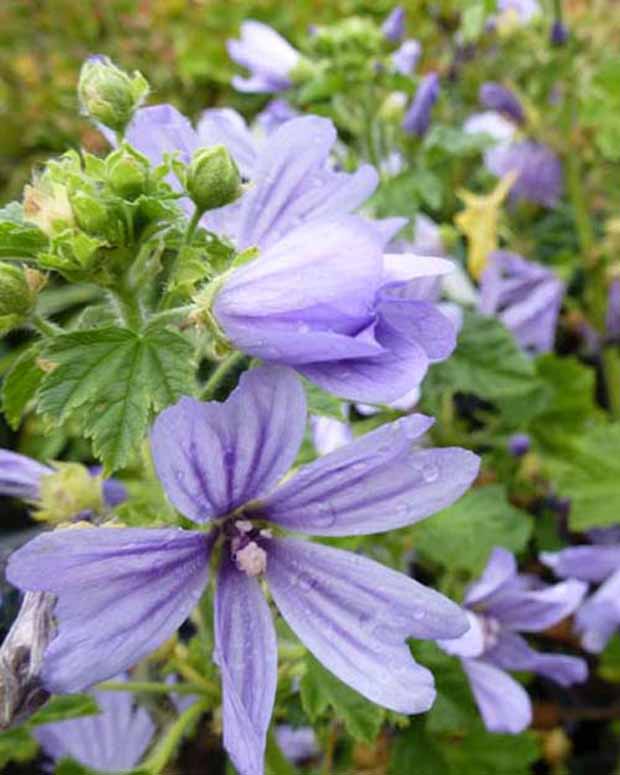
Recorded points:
(90,214)
(127,172)
(213,179)
(108,94)
(16,296)
(47,205)
(68,492)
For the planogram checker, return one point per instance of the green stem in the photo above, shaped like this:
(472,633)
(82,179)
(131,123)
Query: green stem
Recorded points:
(149,687)
(583,223)
(45,327)
(192,226)
(166,749)
(127,306)
(611,369)
(220,374)
(171,315)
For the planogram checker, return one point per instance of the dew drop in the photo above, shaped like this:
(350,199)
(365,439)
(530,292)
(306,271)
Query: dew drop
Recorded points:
(430,473)
(326,516)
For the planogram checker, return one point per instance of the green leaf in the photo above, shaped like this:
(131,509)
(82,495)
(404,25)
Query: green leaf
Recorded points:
(19,239)
(16,745)
(486,753)
(609,663)
(463,535)
(322,403)
(64,707)
(416,751)
(275,761)
(588,471)
(21,384)
(115,379)
(320,689)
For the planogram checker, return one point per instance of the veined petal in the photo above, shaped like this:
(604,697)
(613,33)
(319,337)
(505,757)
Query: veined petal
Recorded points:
(538,609)
(376,483)
(121,592)
(599,617)
(500,570)
(512,652)
(587,563)
(162,129)
(503,703)
(213,457)
(403,267)
(470,644)
(247,654)
(354,615)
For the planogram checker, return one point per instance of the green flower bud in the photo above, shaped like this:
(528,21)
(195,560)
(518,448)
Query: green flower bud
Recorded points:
(213,179)
(90,214)
(68,492)
(108,94)
(16,295)
(47,205)
(127,172)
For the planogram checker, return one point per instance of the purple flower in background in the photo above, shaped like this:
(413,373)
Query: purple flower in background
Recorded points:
(266,54)
(393,28)
(599,617)
(298,744)
(490,123)
(559,33)
(329,434)
(274,114)
(539,170)
(519,444)
(112,741)
(501,604)
(525,296)
(494,96)
(20,477)
(406,57)
(122,592)
(525,10)
(612,317)
(418,118)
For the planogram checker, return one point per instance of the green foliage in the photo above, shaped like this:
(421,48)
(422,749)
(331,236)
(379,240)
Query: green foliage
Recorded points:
(16,745)
(321,690)
(115,378)
(600,108)
(323,403)
(463,535)
(64,707)
(21,384)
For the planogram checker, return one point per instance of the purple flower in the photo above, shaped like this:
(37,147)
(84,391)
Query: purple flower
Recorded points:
(274,114)
(559,33)
(599,617)
(525,10)
(298,744)
(501,604)
(113,741)
(21,476)
(494,96)
(418,118)
(612,317)
(490,123)
(539,170)
(122,592)
(393,28)
(525,296)
(269,58)
(406,57)
(519,444)
(224,126)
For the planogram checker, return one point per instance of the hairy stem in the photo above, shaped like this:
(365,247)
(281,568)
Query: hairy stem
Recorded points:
(220,374)
(45,327)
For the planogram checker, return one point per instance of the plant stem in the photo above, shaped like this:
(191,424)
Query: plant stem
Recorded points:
(149,687)
(45,327)
(328,759)
(583,224)
(220,374)
(128,307)
(170,315)
(192,226)
(611,369)
(166,749)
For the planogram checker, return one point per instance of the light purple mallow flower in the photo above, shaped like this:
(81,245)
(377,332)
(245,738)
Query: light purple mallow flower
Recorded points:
(266,54)
(298,744)
(539,170)
(393,28)
(519,444)
(599,617)
(274,114)
(405,58)
(123,591)
(418,118)
(525,296)
(20,477)
(113,740)
(494,96)
(499,605)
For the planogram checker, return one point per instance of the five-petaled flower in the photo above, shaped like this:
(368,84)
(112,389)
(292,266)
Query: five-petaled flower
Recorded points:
(121,592)
(499,605)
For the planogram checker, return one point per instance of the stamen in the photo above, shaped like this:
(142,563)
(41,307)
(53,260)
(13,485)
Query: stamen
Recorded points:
(252,559)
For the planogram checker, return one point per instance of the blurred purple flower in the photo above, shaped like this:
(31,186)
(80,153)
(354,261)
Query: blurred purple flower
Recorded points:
(599,617)
(490,123)
(298,744)
(501,604)
(539,170)
(274,114)
(525,296)
(519,444)
(114,740)
(559,33)
(393,28)
(525,10)
(20,477)
(418,118)
(406,57)
(612,317)
(266,54)
(122,592)
(494,96)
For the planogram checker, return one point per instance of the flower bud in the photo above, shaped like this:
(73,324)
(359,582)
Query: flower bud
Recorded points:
(66,493)
(108,94)
(90,214)
(127,173)
(47,205)
(213,179)
(16,296)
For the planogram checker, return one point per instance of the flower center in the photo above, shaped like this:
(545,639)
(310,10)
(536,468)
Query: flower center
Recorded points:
(245,547)
(490,629)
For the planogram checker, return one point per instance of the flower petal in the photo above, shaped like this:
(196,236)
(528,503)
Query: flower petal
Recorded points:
(247,654)
(376,483)
(500,570)
(599,617)
(213,457)
(471,644)
(354,615)
(121,592)
(503,703)
(20,475)
(538,609)
(403,267)
(162,129)
(512,652)
(588,563)
(224,126)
